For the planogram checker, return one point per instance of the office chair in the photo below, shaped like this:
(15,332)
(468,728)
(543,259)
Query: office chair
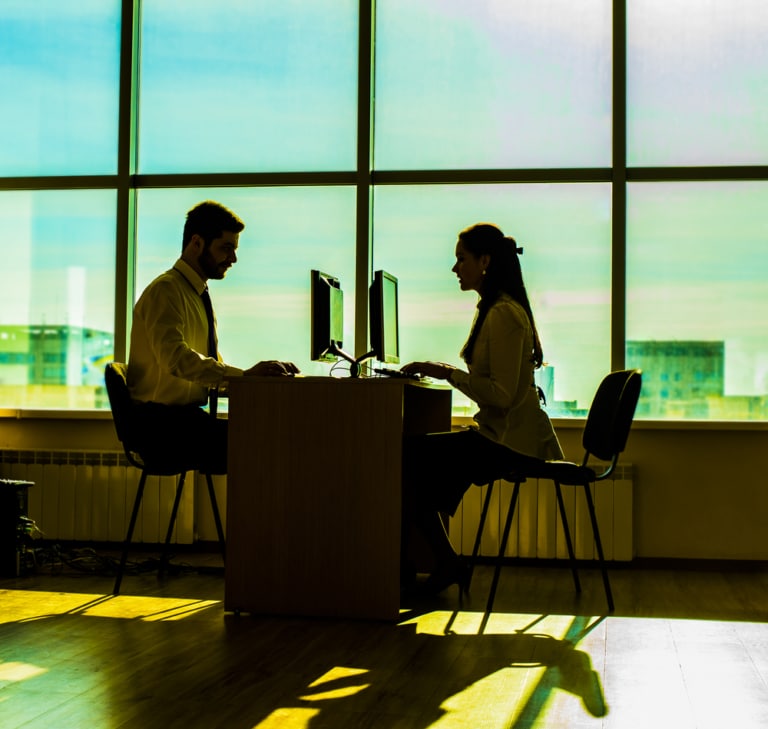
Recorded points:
(166,465)
(604,437)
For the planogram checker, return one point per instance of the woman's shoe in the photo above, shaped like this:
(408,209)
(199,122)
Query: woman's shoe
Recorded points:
(408,579)
(455,572)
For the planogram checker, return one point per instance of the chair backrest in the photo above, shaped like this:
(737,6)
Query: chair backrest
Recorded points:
(153,458)
(611,414)
(116,380)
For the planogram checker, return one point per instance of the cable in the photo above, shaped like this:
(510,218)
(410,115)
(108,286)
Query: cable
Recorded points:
(86,560)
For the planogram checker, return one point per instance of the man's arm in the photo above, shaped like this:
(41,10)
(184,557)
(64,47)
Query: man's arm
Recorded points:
(177,336)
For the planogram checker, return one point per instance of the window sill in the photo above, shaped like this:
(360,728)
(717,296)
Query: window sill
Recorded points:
(640,424)
(56,414)
(458,421)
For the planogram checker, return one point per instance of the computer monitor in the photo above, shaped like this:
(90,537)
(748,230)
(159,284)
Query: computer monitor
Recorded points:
(383,318)
(327,318)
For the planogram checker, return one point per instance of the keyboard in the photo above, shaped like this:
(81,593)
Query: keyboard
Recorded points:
(395,374)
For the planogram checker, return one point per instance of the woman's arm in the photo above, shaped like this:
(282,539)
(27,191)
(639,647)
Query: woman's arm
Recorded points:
(498,359)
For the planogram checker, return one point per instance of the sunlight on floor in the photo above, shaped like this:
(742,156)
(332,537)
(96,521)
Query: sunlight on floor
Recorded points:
(13,671)
(523,658)
(337,675)
(288,719)
(442,669)
(22,605)
(540,656)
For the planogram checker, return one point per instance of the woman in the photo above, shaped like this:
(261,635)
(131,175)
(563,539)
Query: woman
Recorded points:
(501,353)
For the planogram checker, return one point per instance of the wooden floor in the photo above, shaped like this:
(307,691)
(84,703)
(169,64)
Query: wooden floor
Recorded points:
(684,649)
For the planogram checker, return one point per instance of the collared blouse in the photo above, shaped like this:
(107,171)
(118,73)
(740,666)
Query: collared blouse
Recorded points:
(500,380)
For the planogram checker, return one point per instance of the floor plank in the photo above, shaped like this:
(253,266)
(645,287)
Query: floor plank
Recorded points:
(684,649)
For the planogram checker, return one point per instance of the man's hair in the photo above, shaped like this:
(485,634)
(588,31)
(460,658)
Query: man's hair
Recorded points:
(209,220)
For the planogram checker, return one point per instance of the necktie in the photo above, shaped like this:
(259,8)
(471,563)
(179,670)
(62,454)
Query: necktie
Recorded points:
(212,348)
(213,393)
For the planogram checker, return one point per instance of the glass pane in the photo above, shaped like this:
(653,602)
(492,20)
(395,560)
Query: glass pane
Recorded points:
(492,84)
(262,306)
(697,80)
(59,66)
(565,234)
(57,295)
(248,85)
(697,310)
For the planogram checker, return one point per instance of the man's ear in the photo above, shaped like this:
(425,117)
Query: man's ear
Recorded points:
(195,245)
(193,248)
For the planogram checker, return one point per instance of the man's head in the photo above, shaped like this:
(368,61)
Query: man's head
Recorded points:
(210,239)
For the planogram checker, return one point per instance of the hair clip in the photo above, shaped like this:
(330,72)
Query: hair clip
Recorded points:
(519,250)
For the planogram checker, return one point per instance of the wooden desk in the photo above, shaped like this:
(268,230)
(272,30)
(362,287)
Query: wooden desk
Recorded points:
(313,492)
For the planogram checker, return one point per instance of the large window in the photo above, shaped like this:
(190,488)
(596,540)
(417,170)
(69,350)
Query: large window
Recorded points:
(697,82)
(697,310)
(621,143)
(59,85)
(248,86)
(492,84)
(57,291)
(564,231)
(262,306)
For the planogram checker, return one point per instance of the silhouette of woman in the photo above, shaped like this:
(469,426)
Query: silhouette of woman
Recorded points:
(501,353)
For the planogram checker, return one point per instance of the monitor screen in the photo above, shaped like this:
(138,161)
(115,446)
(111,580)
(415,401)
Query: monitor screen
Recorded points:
(327,317)
(384,331)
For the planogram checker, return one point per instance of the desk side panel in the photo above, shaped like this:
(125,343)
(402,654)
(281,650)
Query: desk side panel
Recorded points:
(313,507)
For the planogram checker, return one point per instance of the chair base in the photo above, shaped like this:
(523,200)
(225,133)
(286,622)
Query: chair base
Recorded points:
(500,558)
(162,569)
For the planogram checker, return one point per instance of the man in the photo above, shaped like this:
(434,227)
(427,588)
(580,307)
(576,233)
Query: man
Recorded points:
(174,360)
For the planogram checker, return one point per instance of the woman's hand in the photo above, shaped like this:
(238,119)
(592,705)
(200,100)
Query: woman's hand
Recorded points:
(435,370)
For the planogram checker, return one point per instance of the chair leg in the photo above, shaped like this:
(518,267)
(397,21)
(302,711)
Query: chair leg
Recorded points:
(502,547)
(129,535)
(171,523)
(599,545)
(480,527)
(567,532)
(216,516)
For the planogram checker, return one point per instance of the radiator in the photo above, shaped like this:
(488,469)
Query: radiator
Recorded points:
(88,496)
(536,531)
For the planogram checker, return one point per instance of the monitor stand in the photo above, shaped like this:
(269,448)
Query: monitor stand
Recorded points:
(355,364)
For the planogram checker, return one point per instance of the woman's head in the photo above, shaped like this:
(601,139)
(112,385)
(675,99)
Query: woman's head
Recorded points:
(488,262)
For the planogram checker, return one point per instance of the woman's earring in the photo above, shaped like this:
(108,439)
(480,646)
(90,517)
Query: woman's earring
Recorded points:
(483,272)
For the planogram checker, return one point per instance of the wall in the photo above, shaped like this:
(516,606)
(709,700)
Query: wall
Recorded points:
(701,491)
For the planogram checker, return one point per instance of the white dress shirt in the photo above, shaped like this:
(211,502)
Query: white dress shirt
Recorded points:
(169,340)
(500,380)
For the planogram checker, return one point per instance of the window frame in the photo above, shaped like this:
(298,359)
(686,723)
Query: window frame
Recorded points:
(126,182)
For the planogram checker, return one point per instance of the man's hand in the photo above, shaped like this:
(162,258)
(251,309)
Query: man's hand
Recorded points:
(272,368)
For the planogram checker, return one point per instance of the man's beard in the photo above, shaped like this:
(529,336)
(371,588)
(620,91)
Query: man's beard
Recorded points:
(210,267)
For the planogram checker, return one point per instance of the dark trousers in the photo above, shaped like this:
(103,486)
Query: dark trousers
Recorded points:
(438,468)
(186,431)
